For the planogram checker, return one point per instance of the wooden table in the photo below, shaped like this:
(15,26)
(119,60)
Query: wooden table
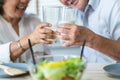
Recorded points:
(92,72)
(96,72)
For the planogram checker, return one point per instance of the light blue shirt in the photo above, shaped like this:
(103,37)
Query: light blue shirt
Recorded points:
(103,18)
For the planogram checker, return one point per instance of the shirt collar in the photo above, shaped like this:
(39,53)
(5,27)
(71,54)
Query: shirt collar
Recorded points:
(22,18)
(93,3)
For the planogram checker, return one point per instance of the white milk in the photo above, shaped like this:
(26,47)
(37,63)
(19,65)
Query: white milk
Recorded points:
(60,22)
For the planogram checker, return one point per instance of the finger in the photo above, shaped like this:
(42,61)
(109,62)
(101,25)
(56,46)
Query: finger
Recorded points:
(44,24)
(65,25)
(63,30)
(78,44)
(50,36)
(47,36)
(63,37)
(46,31)
(53,36)
(44,41)
(70,43)
(44,36)
(67,44)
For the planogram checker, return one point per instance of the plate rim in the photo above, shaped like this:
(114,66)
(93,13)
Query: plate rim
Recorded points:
(111,73)
(3,75)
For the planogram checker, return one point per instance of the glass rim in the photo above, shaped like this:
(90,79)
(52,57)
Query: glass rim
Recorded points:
(61,55)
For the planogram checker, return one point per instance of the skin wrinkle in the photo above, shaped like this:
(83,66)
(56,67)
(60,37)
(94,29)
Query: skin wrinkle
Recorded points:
(114,51)
(108,46)
(77,35)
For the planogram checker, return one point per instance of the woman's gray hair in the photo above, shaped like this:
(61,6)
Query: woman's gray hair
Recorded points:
(1,4)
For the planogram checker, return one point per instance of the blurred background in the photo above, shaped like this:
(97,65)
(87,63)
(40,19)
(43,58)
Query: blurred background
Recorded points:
(35,5)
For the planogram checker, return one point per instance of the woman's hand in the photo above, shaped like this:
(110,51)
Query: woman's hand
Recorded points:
(75,34)
(42,34)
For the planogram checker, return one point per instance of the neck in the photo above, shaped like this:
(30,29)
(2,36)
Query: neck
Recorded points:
(80,4)
(85,4)
(12,20)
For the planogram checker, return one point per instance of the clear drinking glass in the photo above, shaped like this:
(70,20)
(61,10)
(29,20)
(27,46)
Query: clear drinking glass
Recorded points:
(58,67)
(68,15)
(51,14)
(56,15)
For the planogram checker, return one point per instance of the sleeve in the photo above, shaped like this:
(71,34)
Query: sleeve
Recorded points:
(5,53)
(115,21)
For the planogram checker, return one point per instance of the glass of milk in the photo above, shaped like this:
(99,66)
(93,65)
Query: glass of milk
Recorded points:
(51,14)
(68,15)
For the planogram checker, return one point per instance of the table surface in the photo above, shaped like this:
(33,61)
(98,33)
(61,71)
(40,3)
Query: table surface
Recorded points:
(92,72)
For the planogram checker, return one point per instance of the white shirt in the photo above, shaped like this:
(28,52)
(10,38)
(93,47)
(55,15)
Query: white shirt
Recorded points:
(7,35)
(103,18)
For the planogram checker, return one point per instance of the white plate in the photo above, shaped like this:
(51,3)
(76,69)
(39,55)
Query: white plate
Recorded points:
(15,65)
(113,69)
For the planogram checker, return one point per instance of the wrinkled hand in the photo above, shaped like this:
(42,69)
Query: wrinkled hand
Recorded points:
(41,34)
(74,34)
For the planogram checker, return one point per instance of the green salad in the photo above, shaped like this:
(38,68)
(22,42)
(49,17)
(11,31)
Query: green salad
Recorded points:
(70,69)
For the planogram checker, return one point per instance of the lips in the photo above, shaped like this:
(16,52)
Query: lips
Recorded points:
(21,7)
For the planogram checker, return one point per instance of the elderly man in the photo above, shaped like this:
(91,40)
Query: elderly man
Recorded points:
(99,25)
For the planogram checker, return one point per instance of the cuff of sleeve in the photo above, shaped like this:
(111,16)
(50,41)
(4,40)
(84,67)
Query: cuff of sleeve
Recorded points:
(5,53)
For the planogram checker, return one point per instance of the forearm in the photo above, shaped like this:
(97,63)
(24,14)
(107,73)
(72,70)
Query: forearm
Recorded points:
(15,50)
(109,47)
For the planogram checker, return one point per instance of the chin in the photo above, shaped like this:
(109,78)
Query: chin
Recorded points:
(19,15)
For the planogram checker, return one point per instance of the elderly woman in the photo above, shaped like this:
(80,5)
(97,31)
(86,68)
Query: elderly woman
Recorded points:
(16,28)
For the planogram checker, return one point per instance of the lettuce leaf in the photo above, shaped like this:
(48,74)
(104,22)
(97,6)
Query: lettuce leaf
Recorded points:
(71,67)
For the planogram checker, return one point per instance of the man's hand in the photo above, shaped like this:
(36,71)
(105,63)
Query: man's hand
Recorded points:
(74,34)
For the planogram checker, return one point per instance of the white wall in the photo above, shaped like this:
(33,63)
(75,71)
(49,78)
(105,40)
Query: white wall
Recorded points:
(50,2)
(32,7)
